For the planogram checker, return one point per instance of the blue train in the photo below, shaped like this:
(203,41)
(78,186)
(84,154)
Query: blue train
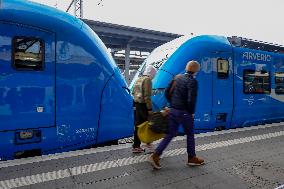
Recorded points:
(241,81)
(60,89)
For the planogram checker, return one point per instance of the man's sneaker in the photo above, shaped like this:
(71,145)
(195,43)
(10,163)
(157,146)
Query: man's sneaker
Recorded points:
(195,161)
(154,159)
(138,150)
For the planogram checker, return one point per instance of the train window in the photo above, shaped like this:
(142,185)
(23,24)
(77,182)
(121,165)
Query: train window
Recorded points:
(28,53)
(256,82)
(279,82)
(222,68)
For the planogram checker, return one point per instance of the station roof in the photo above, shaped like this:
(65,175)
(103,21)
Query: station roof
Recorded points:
(118,36)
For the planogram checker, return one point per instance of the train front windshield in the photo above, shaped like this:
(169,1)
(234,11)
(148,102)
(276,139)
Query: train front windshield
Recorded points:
(159,56)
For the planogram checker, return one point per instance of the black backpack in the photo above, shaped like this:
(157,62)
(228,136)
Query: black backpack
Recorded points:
(171,87)
(169,90)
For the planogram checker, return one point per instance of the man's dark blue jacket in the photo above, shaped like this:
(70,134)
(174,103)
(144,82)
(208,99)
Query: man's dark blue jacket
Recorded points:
(184,94)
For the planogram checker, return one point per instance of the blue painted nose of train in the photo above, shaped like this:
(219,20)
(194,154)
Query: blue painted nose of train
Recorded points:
(116,119)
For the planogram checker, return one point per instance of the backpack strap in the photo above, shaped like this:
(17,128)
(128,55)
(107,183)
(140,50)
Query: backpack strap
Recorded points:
(170,89)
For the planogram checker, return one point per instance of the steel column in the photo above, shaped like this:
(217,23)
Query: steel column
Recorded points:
(127,63)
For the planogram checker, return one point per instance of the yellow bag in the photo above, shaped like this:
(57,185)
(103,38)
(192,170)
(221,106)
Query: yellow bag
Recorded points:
(146,135)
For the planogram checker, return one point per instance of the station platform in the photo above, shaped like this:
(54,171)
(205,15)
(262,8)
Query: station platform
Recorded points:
(251,157)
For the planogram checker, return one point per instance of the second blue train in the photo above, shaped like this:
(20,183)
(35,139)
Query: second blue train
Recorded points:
(241,81)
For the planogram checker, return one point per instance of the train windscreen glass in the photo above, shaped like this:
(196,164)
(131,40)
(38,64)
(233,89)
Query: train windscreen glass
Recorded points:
(159,56)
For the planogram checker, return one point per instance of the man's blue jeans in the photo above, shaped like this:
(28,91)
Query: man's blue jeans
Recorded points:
(177,117)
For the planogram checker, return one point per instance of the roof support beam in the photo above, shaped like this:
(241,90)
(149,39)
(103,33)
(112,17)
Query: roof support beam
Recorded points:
(127,63)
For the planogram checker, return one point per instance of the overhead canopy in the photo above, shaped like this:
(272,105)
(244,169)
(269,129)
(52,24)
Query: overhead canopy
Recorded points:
(129,39)
(118,36)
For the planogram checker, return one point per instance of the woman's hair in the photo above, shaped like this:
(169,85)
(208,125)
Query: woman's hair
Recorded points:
(192,66)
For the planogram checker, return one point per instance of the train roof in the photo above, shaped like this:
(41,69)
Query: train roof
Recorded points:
(188,39)
(35,14)
(220,41)
(254,44)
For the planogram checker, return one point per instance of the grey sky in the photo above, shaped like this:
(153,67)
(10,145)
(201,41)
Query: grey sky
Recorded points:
(256,19)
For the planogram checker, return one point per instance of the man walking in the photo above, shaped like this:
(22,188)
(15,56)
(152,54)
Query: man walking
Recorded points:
(183,95)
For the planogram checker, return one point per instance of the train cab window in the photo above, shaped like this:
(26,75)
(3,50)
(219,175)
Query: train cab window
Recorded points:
(222,68)
(256,82)
(279,82)
(28,53)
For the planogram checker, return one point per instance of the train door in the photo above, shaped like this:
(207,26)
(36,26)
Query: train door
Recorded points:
(222,91)
(27,78)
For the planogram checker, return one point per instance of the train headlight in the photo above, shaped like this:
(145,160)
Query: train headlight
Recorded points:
(158,91)
(26,134)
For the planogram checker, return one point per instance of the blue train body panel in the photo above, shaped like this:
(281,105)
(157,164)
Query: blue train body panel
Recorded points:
(238,84)
(60,89)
